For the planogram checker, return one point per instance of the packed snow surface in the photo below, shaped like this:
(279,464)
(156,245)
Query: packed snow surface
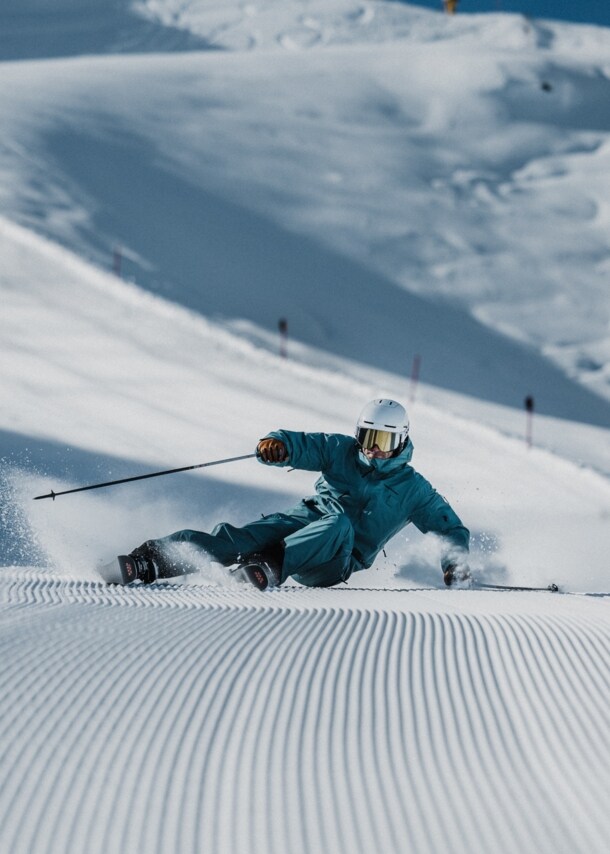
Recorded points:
(204,719)
(397,185)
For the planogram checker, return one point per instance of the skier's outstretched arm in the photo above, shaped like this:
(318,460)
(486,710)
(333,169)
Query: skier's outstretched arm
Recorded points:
(308,451)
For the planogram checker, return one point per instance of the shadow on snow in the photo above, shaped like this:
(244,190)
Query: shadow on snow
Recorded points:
(224,261)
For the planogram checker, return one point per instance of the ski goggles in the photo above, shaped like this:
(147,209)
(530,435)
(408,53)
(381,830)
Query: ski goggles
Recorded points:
(385,441)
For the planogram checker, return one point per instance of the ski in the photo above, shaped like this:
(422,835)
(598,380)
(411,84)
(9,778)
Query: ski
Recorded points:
(550,588)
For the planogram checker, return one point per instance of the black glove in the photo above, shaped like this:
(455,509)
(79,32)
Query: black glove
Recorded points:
(272,451)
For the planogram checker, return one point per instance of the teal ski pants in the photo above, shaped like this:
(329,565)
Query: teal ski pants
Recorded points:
(318,549)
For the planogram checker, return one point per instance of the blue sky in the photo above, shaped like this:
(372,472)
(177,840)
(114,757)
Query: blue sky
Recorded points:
(586,11)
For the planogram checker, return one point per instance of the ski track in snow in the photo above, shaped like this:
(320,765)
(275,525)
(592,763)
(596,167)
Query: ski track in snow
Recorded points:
(199,718)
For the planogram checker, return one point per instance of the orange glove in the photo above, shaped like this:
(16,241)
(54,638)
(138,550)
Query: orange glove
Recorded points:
(272,451)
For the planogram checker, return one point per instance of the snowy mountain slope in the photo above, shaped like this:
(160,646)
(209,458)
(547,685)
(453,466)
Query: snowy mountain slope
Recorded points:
(184,241)
(388,714)
(33,29)
(272,24)
(478,189)
(84,368)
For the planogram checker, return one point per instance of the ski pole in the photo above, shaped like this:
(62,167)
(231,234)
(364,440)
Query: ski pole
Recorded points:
(54,495)
(551,588)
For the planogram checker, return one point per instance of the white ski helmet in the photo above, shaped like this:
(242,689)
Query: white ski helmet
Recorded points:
(384,423)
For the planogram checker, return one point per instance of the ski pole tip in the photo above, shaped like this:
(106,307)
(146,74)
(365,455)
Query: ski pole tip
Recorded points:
(51,494)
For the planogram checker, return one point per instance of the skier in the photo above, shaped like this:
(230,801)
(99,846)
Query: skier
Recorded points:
(367,492)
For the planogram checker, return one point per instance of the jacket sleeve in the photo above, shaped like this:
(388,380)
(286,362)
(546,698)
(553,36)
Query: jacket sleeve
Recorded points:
(435,514)
(307,451)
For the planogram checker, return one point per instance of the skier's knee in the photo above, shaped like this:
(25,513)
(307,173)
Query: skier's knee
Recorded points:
(222,530)
(343,535)
(340,525)
(343,524)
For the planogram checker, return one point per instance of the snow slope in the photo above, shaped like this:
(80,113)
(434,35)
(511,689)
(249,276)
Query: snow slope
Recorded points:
(168,720)
(203,716)
(36,29)
(476,189)
(135,379)
(241,186)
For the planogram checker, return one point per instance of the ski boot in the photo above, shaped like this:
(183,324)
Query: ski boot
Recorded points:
(155,564)
(262,569)
(148,561)
(125,569)
(457,576)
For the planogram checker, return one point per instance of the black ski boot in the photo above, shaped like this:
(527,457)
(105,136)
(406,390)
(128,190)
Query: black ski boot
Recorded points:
(262,569)
(125,569)
(147,563)
(146,559)
(156,564)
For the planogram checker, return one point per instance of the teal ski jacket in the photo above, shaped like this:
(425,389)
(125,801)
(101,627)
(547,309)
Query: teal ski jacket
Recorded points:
(379,497)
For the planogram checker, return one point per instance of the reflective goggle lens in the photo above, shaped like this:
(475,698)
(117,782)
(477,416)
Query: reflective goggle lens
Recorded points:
(384,440)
